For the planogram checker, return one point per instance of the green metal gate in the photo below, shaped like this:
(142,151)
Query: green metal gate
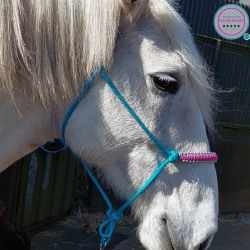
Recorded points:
(41,188)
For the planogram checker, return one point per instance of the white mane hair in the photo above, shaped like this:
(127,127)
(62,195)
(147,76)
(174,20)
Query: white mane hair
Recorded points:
(49,48)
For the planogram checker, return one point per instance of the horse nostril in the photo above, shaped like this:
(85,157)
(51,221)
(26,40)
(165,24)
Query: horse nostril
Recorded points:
(204,245)
(164,220)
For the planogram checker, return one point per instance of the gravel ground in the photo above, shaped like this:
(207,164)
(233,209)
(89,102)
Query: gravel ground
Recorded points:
(73,233)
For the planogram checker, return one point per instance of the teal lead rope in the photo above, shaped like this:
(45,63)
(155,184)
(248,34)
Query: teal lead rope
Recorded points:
(114,216)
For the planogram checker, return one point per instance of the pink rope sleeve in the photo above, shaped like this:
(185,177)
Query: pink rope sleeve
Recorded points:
(199,157)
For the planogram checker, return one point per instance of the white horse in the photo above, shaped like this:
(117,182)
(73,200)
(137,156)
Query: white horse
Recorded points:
(48,49)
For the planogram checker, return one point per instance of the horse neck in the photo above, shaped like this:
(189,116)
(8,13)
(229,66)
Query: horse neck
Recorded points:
(24,126)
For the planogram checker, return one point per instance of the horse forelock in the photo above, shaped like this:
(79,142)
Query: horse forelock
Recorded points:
(49,49)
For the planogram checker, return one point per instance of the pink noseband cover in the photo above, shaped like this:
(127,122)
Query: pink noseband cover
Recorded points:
(199,157)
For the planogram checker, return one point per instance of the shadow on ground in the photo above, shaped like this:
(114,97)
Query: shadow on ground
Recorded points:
(62,236)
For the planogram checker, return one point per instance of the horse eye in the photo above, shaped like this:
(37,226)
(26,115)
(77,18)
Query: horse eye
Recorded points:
(169,85)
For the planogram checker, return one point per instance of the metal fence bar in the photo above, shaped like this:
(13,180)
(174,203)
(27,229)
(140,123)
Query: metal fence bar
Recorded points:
(42,188)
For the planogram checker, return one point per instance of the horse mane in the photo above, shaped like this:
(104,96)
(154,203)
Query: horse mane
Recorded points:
(50,48)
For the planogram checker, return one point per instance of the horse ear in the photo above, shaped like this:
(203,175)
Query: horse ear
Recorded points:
(129,3)
(134,8)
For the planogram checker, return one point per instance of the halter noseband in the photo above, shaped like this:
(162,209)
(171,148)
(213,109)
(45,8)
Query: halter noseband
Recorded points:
(114,216)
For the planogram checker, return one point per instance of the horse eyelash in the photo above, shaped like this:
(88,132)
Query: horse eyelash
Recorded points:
(165,77)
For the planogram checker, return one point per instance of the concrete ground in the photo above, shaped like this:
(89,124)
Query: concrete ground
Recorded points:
(73,233)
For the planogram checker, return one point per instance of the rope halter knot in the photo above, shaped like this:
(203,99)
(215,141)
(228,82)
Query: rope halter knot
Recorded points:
(174,156)
(113,216)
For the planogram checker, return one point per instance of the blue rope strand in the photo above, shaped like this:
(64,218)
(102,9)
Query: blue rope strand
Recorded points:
(174,157)
(114,216)
(138,120)
(79,98)
(95,181)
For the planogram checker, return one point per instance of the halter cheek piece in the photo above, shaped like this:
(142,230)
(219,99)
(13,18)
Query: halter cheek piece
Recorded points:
(114,216)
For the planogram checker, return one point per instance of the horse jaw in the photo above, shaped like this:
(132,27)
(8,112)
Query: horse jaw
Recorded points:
(24,126)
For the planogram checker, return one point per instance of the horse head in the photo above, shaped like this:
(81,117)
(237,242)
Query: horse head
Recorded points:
(149,54)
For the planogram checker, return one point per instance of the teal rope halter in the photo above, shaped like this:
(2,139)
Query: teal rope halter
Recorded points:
(114,216)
